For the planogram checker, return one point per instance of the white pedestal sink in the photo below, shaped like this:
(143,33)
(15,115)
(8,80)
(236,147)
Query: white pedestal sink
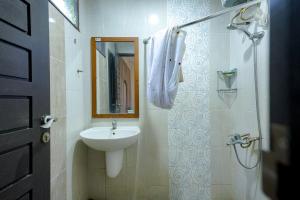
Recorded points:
(113,142)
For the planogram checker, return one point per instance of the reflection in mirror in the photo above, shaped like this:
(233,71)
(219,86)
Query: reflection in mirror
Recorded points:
(115,77)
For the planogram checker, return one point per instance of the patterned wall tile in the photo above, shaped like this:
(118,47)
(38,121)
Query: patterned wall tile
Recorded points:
(188,121)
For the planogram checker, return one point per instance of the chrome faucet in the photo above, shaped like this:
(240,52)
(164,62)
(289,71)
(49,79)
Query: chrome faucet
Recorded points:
(114,124)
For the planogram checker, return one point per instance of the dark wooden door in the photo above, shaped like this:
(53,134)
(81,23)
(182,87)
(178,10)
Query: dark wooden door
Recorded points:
(24,98)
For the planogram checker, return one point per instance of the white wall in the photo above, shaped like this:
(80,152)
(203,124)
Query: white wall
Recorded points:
(243,112)
(58,104)
(78,115)
(236,113)
(68,104)
(145,169)
(219,111)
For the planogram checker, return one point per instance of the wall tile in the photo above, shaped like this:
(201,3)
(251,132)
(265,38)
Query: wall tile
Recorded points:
(188,121)
(131,154)
(156,130)
(158,193)
(75,116)
(114,193)
(220,165)
(131,183)
(193,192)
(96,184)
(58,189)
(96,160)
(58,147)
(147,162)
(57,106)
(221,127)
(240,117)
(77,167)
(57,88)
(221,192)
(120,180)
(56,34)
(183,115)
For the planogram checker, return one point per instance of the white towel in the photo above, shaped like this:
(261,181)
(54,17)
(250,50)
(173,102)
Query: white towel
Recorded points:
(164,57)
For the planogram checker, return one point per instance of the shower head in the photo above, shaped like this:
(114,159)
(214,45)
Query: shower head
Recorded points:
(257,35)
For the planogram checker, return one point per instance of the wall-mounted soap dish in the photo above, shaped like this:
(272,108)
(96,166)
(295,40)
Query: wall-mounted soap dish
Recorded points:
(226,81)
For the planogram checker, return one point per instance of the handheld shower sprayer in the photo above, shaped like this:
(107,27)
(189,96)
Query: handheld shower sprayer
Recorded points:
(251,36)
(245,140)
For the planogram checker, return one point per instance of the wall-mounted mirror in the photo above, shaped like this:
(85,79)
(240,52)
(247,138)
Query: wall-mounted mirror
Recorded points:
(115,77)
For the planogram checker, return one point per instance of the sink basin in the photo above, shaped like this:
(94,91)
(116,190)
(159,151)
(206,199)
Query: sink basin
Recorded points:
(105,139)
(113,142)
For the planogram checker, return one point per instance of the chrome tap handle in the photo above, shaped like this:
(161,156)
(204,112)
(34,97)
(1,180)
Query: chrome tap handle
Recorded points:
(114,124)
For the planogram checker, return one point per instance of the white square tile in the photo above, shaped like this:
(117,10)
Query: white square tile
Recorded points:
(220,166)
(96,159)
(222,192)
(97,184)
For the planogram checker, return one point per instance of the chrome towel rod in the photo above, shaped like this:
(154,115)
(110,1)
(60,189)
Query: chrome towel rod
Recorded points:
(214,15)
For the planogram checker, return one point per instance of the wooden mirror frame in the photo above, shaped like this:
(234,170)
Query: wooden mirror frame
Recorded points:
(135,42)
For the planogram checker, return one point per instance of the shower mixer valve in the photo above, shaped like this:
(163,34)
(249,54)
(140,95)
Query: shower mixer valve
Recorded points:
(244,140)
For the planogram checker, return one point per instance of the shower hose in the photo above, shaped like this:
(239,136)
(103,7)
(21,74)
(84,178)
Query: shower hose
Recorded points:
(257,112)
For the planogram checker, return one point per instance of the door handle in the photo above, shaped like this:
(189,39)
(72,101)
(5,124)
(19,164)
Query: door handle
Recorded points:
(47,121)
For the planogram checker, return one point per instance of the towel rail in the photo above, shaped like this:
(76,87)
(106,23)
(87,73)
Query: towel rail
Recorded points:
(214,15)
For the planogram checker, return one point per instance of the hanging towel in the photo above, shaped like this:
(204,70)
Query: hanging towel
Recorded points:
(164,57)
(181,75)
